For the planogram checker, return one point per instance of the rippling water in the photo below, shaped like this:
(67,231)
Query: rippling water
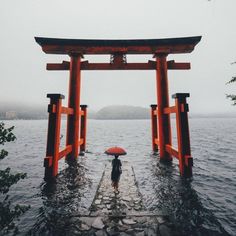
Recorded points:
(204,205)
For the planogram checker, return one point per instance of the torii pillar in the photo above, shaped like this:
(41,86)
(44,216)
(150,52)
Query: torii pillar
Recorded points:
(73,121)
(164,127)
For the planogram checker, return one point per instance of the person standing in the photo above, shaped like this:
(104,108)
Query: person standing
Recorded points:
(115,173)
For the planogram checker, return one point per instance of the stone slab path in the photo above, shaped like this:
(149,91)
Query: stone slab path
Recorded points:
(127,200)
(121,213)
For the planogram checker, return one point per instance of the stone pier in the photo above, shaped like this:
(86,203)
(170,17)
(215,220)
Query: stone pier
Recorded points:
(121,213)
(126,201)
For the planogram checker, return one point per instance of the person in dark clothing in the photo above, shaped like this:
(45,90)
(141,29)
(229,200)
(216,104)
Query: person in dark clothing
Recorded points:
(115,173)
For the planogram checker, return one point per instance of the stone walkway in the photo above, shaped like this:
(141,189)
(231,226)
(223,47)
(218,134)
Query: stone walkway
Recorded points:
(128,198)
(121,213)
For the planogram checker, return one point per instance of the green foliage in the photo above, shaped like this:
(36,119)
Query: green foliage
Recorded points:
(3,154)
(232,97)
(6,134)
(7,179)
(8,212)
(232,80)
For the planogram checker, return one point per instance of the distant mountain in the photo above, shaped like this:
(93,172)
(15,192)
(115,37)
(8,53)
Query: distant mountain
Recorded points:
(9,111)
(22,112)
(122,113)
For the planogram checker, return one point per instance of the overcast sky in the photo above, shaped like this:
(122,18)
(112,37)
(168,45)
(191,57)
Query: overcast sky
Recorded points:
(24,78)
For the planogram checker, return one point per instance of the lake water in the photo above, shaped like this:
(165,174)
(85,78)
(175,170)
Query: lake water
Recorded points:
(204,205)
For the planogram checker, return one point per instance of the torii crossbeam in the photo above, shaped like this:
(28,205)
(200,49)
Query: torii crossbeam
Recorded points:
(118,50)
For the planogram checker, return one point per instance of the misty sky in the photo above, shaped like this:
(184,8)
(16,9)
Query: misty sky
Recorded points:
(25,80)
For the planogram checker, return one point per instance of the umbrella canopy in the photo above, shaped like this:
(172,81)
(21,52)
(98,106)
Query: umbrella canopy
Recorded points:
(115,151)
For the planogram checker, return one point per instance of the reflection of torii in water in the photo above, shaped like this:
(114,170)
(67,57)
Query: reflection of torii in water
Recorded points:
(76,113)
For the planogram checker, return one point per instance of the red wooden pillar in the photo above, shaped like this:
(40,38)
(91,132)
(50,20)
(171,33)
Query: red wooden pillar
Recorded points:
(73,121)
(83,130)
(154,128)
(185,159)
(53,137)
(164,128)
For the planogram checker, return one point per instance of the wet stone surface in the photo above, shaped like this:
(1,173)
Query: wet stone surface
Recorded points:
(127,199)
(121,213)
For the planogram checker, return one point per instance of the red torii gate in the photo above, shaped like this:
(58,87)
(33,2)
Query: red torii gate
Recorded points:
(118,49)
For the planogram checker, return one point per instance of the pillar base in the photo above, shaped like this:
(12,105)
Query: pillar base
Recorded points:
(82,153)
(166,161)
(71,161)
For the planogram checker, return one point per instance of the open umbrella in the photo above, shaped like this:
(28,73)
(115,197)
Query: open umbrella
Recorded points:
(115,151)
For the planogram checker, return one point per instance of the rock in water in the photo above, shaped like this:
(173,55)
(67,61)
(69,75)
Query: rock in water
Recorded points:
(160,219)
(129,222)
(84,227)
(98,201)
(98,224)
(87,220)
(100,233)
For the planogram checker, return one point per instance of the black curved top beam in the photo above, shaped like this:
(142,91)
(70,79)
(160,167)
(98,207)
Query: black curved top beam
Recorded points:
(129,46)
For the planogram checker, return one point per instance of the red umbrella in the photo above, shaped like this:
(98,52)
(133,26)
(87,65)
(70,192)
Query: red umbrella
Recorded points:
(115,151)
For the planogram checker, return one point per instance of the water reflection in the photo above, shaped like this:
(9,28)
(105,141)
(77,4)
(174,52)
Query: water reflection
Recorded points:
(61,200)
(176,199)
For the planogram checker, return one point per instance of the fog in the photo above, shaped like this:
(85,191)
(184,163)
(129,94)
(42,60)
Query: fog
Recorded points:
(24,78)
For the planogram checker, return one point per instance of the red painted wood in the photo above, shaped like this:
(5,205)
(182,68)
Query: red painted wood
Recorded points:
(172,151)
(172,65)
(65,151)
(53,137)
(66,110)
(185,159)
(81,141)
(57,138)
(83,130)
(168,110)
(154,128)
(73,121)
(157,141)
(117,66)
(150,65)
(65,65)
(164,128)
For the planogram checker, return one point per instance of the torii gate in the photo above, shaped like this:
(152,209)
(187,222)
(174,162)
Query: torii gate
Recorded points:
(118,49)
